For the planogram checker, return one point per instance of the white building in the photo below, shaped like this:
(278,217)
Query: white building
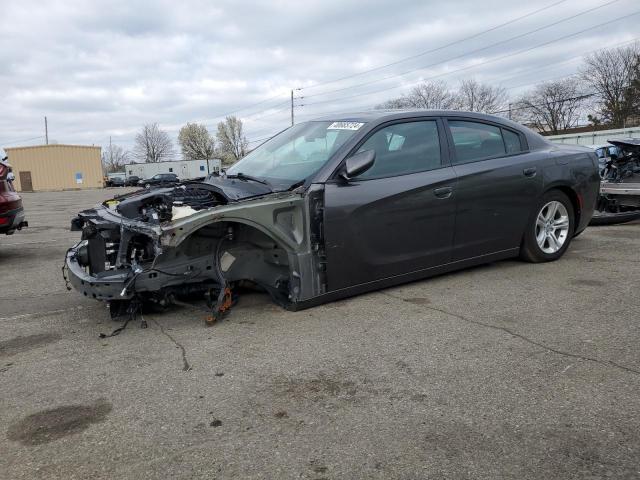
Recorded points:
(184,169)
(598,137)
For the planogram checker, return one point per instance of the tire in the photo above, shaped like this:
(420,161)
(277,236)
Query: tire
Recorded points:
(607,218)
(550,229)
(147,186)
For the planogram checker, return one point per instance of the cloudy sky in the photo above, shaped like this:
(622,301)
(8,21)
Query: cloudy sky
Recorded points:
(99,69)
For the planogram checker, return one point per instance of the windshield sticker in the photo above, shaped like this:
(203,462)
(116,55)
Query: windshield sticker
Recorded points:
(345,126)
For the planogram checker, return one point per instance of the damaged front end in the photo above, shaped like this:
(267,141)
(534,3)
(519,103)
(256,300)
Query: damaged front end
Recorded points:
(200,238)
(619,199)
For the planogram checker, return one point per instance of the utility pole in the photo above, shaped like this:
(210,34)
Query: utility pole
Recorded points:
(509,111)
(46,131)
(292,108)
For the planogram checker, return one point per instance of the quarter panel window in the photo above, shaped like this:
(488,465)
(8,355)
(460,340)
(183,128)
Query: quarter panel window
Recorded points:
(473,141)
(512,141)
(403,148)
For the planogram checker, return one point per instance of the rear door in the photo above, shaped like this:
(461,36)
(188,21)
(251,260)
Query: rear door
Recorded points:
(399,216)
(498,184)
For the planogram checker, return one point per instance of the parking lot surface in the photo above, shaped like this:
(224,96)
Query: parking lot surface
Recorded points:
(509,370)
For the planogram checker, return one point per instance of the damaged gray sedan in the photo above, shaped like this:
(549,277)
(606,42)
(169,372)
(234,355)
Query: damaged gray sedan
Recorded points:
(336,207)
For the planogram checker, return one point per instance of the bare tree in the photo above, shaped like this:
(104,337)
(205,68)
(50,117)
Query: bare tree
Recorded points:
(196,142)
(394,104)
(232,144)
(114,158)
(634,94)
(474,96)
(428,95)
(612,74)
(552,106)
(152,144)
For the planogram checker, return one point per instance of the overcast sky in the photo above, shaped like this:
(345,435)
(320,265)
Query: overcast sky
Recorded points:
(100,69)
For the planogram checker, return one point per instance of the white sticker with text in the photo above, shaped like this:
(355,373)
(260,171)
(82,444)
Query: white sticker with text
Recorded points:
(345,126)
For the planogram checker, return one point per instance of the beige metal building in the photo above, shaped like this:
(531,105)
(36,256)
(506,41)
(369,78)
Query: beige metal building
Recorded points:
(56,167)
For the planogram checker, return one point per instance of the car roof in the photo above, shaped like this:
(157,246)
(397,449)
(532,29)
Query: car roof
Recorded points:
(380,116)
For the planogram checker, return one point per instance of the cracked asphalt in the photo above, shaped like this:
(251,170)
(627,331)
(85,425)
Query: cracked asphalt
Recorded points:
(510,371)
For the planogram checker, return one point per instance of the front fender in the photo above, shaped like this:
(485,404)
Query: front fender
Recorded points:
(281,217)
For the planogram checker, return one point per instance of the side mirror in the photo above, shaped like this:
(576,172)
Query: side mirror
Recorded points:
(358,164)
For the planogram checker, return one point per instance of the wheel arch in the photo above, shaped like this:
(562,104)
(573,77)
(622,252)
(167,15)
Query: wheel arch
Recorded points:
(256,254)
(573,198)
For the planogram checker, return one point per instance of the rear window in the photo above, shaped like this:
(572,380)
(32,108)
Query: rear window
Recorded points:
(475,141)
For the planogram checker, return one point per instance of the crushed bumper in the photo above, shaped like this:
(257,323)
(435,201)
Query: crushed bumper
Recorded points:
(125,283)
(110,286)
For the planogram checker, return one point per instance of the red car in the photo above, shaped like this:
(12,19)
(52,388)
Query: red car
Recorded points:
(11,211)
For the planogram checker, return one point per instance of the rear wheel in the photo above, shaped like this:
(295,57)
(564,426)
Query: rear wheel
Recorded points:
(550,229)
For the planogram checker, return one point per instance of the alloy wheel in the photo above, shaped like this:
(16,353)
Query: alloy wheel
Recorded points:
(552,227)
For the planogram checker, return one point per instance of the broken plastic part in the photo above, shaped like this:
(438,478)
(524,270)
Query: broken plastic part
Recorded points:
(178,212)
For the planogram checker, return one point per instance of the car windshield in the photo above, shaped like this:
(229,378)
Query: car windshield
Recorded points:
(296,153)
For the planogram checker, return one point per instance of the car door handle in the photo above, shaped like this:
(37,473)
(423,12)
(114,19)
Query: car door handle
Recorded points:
(530,172)
(443,192)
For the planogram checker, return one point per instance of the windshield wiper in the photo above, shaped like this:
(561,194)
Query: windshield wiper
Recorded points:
(243,176)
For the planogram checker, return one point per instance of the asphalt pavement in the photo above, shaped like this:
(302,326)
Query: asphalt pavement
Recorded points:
(509,370)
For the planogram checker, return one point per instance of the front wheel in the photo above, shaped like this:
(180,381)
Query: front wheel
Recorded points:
(550,230)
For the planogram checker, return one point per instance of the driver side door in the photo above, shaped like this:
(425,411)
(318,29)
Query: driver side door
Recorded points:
(398,217)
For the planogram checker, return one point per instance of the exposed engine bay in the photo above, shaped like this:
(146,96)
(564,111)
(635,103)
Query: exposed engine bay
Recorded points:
(196,239)
(162,205)
(619,199)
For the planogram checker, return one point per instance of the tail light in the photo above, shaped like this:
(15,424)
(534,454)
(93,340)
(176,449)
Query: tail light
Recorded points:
(9,200)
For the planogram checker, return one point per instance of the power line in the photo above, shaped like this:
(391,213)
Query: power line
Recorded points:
(422,54)
(559,77)
(442,47)
(553,102)
(517,52)
(245,108)
(393,63)
(258,115)
(549,65)
(266,112)
(553,64)
(368,108)
(501,42)
(511,109)
(21,140)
